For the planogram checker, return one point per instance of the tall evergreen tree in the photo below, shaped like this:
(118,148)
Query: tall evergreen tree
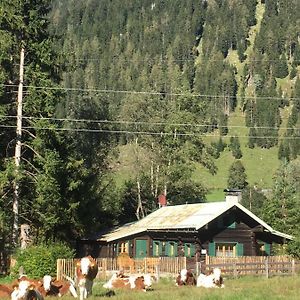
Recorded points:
(282,211)
(237,178)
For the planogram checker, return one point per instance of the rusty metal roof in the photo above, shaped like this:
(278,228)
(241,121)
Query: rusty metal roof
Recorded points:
(181,217)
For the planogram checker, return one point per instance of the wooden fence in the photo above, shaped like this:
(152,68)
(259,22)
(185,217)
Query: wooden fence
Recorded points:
(171,266)
(253,265)
(106,266)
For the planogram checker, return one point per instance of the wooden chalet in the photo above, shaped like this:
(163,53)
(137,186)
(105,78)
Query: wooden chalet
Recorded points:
(224,229)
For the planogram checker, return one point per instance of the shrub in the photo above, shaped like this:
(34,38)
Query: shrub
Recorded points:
(40,260)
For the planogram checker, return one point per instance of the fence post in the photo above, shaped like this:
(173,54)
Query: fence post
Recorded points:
(267,266)
(293,267)
(235,271)
(157,272)
(104,268)
(57,268)
(198,268)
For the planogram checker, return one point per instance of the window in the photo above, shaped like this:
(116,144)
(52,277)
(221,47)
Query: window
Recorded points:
(226,250)
(189,250)
(264,249)
(123,247)
(226,222)
(157,248)
(171,249)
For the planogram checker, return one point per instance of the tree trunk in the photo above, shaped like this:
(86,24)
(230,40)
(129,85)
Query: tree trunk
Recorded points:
(139,210)
(15,206)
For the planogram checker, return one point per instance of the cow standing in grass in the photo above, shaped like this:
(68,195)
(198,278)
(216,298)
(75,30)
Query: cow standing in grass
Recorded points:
(86,272)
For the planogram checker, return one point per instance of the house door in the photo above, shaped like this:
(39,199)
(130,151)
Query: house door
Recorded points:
(141,248)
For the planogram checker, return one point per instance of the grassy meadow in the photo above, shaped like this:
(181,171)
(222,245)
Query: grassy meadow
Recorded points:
(252,288)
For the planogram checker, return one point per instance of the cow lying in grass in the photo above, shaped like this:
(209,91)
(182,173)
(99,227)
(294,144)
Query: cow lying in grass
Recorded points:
(5,290)
(135,282)
(26,289)
(212,280)
(53,287)
(185,277)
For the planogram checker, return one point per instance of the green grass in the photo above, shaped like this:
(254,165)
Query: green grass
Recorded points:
(246,288)
(260,164)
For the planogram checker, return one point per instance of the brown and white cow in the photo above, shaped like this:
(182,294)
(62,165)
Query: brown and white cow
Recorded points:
(26,289)
(86,272)
(5,290)
(185,277)
(120,281)
(211,280)
(53,287)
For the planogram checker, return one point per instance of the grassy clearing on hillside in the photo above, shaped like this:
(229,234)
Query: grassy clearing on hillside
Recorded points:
(247,288)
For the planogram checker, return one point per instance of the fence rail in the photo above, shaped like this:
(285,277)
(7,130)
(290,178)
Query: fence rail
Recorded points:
(254,265)
(160,265)
(247,265)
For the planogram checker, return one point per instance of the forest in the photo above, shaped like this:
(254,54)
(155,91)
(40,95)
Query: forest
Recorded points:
(123,101)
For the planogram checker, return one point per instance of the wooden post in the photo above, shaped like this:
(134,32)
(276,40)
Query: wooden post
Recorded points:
(198,268)
(267,267)
(235,271)
(293,267)
(157,272)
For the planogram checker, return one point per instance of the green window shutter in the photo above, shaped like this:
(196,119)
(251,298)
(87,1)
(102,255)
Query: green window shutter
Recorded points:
(193,250)
(268,249)
(157,251)
(175,249)
(154,248)
(212,249)
(239,249)
(169,247)
(186,249)
(167,251)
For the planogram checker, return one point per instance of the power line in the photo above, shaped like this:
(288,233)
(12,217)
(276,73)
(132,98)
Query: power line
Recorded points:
(149,123)
(107,91)
(177,134)
(175,60)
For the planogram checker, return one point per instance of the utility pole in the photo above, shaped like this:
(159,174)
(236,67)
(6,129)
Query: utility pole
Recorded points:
(15,233)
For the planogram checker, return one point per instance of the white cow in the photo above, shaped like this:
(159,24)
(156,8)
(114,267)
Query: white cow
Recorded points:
(212,280)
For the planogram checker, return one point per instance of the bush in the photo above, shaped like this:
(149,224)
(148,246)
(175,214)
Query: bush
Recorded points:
(293,247)
(40,260)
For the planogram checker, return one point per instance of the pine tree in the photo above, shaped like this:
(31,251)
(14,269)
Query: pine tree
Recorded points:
(237,176)
(282,211)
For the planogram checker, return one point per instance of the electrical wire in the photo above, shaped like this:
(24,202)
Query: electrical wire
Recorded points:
(107,91)
(176,134)
(149,123)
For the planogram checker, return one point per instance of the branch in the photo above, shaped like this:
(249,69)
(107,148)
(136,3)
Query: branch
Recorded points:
(32,175)
(31,134)
(40,156)
(8,146)
(30,164)
(2,197)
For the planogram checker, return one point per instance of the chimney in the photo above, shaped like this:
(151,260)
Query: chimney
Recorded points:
(162,200)
(233,195)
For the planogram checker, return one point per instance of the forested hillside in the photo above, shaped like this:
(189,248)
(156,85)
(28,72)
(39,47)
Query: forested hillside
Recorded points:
(125,100)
